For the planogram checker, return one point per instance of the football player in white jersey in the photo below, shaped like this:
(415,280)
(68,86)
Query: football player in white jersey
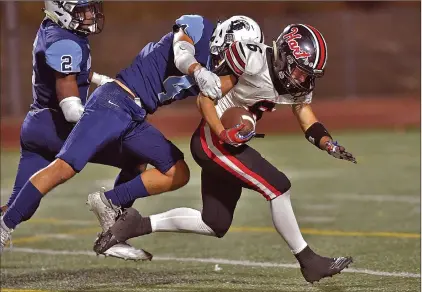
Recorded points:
(259,78)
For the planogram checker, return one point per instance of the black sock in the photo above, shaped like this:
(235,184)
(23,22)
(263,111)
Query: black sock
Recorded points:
(305,255)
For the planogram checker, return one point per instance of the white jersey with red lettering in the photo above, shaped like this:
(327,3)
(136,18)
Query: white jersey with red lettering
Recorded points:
(255,89)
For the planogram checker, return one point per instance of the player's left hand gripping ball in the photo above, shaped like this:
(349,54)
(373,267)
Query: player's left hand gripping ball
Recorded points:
(235,137)
(338,151)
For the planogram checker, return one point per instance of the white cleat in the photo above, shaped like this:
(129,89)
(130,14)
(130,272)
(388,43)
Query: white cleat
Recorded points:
(105,211)
(5,235)
(127,252)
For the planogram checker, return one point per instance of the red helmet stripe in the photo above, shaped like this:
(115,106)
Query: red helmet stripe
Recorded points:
(322,47)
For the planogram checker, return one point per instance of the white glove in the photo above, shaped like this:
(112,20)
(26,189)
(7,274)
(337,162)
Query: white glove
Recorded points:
(208,83)
(100,79)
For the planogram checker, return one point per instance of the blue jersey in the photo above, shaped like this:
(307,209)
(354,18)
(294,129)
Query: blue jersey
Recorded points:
(153,76)
(58,49)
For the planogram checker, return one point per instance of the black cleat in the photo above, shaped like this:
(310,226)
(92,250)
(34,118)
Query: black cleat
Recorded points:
(129,224)
(315,267)
(104,241)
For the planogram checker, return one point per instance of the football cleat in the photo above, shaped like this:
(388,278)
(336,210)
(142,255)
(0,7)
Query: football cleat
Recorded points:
(105,211)
(315,267)
(5,235)
(104,241)
(127,252)
(128,225)
(106,214)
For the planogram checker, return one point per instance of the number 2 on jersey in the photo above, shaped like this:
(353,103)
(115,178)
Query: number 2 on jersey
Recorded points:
(173,85)
(66,63)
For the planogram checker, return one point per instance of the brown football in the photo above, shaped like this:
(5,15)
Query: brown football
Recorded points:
(238,115)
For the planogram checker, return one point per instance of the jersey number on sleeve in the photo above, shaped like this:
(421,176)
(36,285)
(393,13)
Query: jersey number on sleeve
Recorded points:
(173,85)
(66,63)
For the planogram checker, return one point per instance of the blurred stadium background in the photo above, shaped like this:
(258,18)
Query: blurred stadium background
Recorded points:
(369,99)
(373,69)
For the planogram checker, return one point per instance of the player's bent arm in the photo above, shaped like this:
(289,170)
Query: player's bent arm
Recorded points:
(185,62)
(184,53)
(68,96)
(317,134)
(207,106)
(314,131)
(209,113)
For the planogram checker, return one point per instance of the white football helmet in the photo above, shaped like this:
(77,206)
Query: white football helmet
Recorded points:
(82,16)
(236,28)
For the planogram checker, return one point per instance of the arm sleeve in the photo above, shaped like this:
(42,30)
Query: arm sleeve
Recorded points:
(64,56)
(192,25)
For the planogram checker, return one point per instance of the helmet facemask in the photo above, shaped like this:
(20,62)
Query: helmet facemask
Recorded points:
(87,18)
(84,18)
(217,51)
(296,79)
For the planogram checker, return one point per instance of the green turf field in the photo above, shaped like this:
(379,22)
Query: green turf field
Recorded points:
(370,211)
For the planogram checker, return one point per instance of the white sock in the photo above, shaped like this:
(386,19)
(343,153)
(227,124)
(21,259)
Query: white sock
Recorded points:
(285,222)
(184,220)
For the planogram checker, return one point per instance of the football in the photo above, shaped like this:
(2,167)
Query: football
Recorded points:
(238,115)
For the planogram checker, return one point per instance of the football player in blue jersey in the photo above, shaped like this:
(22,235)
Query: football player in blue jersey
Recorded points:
(60,82)
(61,61)
(114,120)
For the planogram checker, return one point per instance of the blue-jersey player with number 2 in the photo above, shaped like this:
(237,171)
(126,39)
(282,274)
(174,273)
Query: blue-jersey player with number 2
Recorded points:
(163,72)
(60,82)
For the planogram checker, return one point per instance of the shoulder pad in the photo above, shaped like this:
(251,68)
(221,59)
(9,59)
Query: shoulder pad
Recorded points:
(245,57)
(64,56)
(192,25)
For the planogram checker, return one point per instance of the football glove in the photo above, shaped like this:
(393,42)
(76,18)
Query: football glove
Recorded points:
(338,151)
(208,83)
(234,137)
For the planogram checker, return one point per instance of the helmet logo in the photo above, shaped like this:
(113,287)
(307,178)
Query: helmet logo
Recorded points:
(239,24)
(290,38)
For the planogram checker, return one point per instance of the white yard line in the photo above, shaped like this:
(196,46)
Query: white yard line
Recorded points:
(218,261)
(318,207)
(383,198)
(315,219)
